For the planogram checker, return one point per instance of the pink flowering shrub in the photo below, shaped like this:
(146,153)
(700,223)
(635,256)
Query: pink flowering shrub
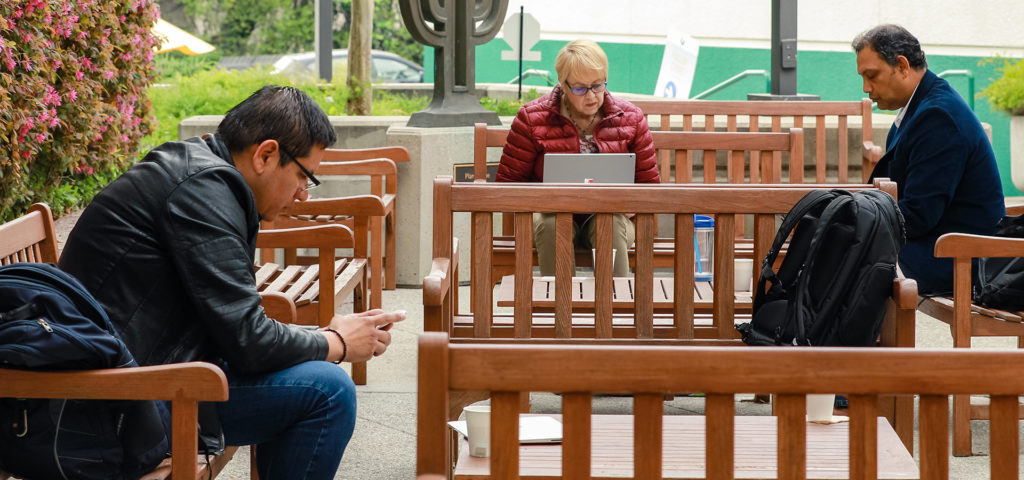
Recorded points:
(73,82)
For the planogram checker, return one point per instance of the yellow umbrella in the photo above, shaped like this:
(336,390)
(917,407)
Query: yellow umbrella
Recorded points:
(174,38)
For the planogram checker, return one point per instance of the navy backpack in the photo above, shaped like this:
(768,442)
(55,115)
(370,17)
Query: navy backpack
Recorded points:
(48,321)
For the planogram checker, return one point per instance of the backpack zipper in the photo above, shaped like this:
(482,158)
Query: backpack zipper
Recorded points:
(42,323)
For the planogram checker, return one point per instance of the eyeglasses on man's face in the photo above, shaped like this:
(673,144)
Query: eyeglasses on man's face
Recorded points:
(313,182)
(581,91)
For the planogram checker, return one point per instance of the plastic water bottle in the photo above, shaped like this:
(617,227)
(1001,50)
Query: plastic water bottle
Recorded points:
(703,247)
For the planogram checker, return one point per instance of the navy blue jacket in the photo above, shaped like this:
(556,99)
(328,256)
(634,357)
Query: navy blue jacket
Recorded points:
(946,176)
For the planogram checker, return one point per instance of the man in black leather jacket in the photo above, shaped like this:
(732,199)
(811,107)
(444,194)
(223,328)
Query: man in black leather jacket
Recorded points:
(168,247)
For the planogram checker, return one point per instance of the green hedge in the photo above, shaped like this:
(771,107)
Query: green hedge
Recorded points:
(73,81)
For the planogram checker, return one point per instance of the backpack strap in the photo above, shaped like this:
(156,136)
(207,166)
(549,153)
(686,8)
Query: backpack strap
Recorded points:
(23,312)
(809,202)
(842,200)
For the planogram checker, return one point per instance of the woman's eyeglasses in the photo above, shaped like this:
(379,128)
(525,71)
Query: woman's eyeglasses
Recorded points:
(313,182)
(581,91)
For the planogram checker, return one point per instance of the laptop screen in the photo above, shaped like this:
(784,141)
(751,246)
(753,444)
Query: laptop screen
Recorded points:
(589,167)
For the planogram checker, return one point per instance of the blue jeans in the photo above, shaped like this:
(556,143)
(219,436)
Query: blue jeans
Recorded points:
(301,418)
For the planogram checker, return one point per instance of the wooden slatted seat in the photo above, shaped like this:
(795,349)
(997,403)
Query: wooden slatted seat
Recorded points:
(635,321)
(294,293)
(968,320)
(31,238)
(449,366)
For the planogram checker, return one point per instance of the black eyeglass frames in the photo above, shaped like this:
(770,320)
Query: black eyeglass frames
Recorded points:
(313,182)
(581,91)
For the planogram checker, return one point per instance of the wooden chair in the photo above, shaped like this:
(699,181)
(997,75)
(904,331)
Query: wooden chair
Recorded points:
(968,320)
(31,238)
(735,116)
(649,373)
(379,164)
(643,313)
(758,150)
(310,295)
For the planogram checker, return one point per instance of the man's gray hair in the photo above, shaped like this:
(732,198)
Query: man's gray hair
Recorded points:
(891,41)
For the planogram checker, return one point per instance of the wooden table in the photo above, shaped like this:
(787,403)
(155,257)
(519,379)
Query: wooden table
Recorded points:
(622,294)
(683,447)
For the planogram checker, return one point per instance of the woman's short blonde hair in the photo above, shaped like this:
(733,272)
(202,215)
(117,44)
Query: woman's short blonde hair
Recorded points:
(581,55)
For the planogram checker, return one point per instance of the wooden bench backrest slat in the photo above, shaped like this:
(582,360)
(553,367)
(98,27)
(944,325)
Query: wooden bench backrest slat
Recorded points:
(29,238)
(720,373)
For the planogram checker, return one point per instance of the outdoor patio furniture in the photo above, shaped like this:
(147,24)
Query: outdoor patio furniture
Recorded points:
(968,320)
(379,166)
(31,238)
(312,292)
(607,321)
(447,366)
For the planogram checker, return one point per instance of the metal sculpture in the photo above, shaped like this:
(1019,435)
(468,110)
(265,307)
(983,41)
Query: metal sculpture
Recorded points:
(454,28)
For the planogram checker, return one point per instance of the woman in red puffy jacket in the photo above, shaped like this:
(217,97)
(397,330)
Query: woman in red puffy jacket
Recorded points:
(578,116)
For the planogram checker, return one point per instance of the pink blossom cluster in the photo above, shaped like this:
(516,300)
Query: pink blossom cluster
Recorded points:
(59,60)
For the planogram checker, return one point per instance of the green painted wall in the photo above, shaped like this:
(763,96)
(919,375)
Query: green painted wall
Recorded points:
(831,75)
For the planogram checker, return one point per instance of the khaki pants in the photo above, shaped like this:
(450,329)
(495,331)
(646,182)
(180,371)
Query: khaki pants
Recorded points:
(584,236)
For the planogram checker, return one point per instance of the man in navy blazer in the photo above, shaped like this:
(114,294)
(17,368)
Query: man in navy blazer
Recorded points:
(936,151)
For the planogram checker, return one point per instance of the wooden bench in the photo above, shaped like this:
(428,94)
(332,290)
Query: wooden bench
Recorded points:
(379,165)
(310,295)
(647,374)
(639,324)
(749,156)
(31,238)
(734,116)
(967,320)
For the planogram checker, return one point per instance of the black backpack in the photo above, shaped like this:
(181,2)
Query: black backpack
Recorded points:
(832,285)
(998,281)
(48,321)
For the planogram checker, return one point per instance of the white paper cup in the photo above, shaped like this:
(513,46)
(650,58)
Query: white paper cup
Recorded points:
(478,424)
(819,407)
(744,273)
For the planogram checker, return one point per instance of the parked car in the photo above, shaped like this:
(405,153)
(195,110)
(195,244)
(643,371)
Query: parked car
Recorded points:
(384,66)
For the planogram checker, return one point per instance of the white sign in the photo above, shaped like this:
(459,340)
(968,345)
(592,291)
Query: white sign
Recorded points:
(531,34)
(678,65)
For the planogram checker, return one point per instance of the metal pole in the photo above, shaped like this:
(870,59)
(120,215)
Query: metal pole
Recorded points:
(323,13)
(520,52)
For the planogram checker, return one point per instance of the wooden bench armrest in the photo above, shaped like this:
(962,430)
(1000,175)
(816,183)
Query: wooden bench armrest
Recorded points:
(319,236)
(870,154)
(437,282)
(963,245)
(279,307)
(376,166)
(904,292)
(396,154)
(198,381)
(356,205)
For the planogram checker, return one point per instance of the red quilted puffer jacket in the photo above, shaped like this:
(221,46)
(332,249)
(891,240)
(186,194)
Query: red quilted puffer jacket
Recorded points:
(540,128)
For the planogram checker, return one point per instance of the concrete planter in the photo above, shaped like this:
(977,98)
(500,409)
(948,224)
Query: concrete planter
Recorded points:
(1017,151)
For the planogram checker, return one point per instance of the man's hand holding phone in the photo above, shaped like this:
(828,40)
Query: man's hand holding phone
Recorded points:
(366,334)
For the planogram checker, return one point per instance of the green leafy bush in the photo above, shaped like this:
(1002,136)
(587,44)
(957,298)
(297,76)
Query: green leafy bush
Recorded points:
(73,77)
(1007,92)
(214,92)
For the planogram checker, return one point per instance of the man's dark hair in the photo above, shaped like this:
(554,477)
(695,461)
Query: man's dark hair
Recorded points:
(891,41)
(285,114)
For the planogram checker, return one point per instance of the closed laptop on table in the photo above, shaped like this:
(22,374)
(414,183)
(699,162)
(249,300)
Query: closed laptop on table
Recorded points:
(589,167)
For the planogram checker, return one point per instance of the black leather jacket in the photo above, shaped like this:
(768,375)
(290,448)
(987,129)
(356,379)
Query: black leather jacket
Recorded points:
(168,248)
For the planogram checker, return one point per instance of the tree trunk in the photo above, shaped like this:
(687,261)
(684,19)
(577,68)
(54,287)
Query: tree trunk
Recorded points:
(358,76)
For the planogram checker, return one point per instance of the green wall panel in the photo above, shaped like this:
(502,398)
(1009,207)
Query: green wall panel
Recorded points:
(831,75)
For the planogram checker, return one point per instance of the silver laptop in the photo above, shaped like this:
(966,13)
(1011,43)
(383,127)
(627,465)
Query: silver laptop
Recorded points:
(589,167)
